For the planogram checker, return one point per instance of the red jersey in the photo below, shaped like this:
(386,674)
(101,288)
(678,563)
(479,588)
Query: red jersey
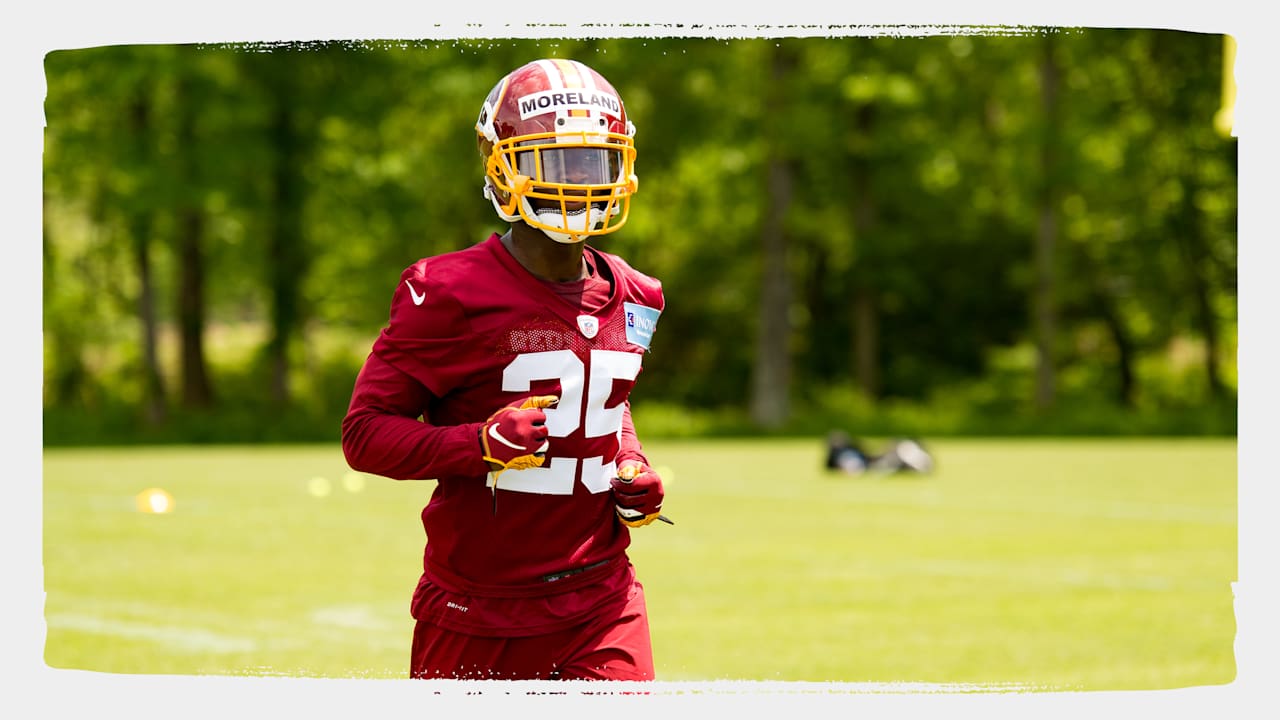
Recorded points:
(470,332)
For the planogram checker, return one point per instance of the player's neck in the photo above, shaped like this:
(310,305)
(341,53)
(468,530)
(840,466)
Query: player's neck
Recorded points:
(545,258)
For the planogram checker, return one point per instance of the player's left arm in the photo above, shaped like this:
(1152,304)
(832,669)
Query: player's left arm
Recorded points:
(629,447)
(638,490)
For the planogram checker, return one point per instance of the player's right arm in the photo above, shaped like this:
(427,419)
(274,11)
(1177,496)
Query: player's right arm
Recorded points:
(381,433)
(418,357)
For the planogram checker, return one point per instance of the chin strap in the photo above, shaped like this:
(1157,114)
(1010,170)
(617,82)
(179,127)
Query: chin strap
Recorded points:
(492,195)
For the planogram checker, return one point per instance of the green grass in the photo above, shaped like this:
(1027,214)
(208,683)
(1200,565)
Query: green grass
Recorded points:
(1035,565)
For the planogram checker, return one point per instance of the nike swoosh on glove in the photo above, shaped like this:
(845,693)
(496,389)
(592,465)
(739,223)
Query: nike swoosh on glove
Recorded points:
(637,494)
(515,437)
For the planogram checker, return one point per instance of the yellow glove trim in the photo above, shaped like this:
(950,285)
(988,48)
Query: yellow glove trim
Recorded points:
(635,519)
(523,462)
(631,518)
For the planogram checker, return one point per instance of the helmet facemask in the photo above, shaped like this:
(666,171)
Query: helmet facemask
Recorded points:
(570,185)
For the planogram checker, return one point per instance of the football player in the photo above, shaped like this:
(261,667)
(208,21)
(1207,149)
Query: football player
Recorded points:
(902,455)
(504,373)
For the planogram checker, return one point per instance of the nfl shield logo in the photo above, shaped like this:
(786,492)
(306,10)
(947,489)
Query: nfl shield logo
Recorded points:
(588,325)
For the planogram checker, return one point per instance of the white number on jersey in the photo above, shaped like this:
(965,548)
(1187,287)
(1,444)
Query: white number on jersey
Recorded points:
(570,414)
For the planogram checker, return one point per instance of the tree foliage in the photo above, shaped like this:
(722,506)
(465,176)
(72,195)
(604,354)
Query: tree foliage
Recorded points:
(843,226)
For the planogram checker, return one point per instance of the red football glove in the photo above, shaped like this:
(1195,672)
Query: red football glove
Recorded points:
(515,437)
(637,494)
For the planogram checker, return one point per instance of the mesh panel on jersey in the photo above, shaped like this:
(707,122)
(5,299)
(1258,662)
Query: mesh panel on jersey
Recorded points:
(547,334)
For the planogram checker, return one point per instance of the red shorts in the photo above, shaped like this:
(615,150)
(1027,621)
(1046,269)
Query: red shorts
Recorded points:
(612,646)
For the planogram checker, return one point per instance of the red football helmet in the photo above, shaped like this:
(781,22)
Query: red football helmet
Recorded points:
(558,150)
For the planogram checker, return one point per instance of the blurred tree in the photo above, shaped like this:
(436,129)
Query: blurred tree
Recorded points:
(1048,191)
(141,227)
(1188,111)
(1008,219)
(106,153)
(189,236)
(290,84)
(771,379)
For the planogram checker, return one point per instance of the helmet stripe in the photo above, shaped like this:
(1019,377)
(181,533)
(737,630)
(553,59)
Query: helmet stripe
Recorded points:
(569,71)
(555,79)
(572,81)
(586,75)
(576,76)
(565,74)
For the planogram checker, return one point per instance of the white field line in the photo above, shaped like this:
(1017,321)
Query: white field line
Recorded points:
(192,640)
(376,629)
(357,617)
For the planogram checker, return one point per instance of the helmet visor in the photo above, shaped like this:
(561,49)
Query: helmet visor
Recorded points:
(575,165)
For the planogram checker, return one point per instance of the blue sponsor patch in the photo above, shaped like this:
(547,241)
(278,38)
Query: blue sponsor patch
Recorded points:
(641,322)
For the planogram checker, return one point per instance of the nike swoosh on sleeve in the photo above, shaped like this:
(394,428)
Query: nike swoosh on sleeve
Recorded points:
(417,299)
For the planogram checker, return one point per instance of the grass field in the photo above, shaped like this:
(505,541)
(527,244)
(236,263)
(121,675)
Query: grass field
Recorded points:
(1040,565)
